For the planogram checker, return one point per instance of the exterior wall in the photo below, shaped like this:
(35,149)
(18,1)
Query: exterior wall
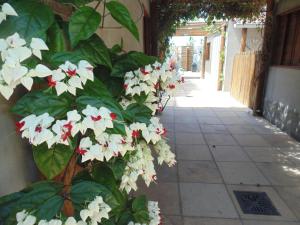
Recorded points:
(232,47)
(282,100)
(212,65)
(16,165)
(113,33)
(282,91)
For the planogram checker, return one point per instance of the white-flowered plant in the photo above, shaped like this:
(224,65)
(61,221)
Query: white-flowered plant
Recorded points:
(7,10)
(154,214)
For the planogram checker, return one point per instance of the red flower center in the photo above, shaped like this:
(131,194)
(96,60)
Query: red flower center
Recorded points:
(51,82)
(96,118)
(171,86)
(38,129)
(144,71)
(135,134)
(113,116)
(123,142)
(19,125)
(157,85)
(71,73)
(157,68)
(67,132)
(164,133)
(125,86)
(81,151)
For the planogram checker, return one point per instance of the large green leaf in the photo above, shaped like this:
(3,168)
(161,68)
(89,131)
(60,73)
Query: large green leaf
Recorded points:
(102,174)
(83,24)
(77,3)
(140,209)
(121,14)
(129,62)
(43,198)
(33,21)
(52,162)
(39,102)
(56,40)
(138,113)
(95,88)
(96,51)
(61,57)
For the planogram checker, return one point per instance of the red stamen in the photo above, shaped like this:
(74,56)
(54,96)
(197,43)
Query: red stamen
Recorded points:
(19,125)
(125,86)
(157,85)
(144,71)
(96,118)
(164,133)
(65,135)
(113,116)
(81,151)
(38,129)
(69,126)
(51,82)
(135,134)
(123,142)
(71,73)
(171,86)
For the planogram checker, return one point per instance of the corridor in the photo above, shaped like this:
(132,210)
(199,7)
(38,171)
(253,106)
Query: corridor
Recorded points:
(222,149)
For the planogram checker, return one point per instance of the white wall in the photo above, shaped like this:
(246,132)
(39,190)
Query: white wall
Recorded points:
(212,65)
(112,32)
(232,47)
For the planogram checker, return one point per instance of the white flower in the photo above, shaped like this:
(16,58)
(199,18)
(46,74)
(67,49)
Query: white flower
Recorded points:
(97,119)
(43,222)
(164,153)
(15,41)
(37,46)
(55,222)
(23,218)
(7,10)
(71,221)
(85,71)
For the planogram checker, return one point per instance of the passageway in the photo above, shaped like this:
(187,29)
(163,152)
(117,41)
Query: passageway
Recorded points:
(222,148)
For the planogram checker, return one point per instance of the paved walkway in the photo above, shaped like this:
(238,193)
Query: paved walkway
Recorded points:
(220,148)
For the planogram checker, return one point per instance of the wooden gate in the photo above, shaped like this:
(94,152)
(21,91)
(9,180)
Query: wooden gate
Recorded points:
(245,69)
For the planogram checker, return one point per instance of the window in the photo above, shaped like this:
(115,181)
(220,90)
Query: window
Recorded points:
(207,51)
(287,44)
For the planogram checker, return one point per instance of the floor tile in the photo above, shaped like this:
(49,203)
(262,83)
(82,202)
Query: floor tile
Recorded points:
(241,173)
(233,120)
(285,213)
(280,140)
(210,221)
(216,129)
(199,171)
(280,174)
(209,120)
(266,154)
(219,139)
(291,196)
(189,139)
(229,153)
(240,129)
(187,127)
(166,194)
(250,140)
(171,220)
(166,173)
(204,200)
(193,152)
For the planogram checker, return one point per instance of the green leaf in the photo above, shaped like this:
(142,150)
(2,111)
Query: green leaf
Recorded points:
(61,57)
(56,40)
(129,62)
(52,162)
(33,21)
(140,209)
(95,88)
(125,218)
(96,51)
(118,167)
(50,208)
(77,3)
(104,175)
(39,102)
(121,14)
(138,113)
(83,24)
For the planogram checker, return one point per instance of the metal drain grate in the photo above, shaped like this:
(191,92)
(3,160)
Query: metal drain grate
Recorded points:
(257,203)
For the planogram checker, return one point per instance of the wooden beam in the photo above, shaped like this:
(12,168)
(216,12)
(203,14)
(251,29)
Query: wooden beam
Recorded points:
(244,39)
(260,79)
(203,58)
(221,61)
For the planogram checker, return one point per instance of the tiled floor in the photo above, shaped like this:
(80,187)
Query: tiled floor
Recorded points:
(220,148)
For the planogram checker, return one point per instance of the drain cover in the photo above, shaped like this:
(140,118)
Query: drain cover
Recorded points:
(257,203)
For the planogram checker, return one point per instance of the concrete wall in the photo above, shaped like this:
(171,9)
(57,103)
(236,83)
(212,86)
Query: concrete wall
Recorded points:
(282,91)
(113,33)
(212,65)
(232,47)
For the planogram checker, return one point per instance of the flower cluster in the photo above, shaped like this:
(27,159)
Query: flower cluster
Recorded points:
(6,10)
(164,153)
(154,214)
(40,129)
(68,77)
(153,81)
(14,52)
(92,215)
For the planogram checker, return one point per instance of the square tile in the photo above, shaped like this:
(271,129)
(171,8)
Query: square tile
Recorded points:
(166,173)
(291,196)
(219,139)
(241,173)
(250,140)
(209,120)
(265,154)
(240,129)
(189,139)
(210,221)
(233,120)
(199,171)
(229,153)
(166,194)
(281,207)
(206,200)
(193,152)
(216,129)
(281,140)
(280,174)
(187,127)
(171,220)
